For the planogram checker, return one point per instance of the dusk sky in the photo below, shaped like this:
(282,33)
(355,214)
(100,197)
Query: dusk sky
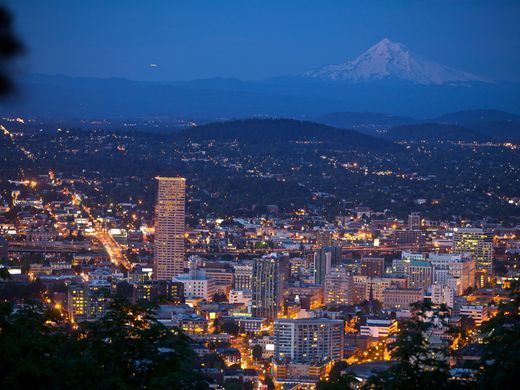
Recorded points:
(258,39)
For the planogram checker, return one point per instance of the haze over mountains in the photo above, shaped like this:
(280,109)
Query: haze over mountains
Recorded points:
(386,78)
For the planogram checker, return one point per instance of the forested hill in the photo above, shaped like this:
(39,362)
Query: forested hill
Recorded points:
(435,132)
(276,132)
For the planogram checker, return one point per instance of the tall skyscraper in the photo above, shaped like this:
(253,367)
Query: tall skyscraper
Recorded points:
(480,245)
(169,228)
(324,259)
(270,274)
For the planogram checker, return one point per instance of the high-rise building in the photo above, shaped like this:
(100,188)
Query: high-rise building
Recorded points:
(454,271)
(372,266)
(308,340)
(270,274)
(480,245)
(169,228)
(324,259)
(414,221)
(88,301)
(243,276)
(338,287)
(420,274)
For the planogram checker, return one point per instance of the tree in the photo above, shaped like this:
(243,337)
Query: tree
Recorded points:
(219,297)
(419,363)
(126,349)
(257,352)
(342,382)
(135,350)
(337,368)
(501,358)
(4,273)
(233,384)
(213,360)
(10,47)
(269,382)
(336,380)
(230,327)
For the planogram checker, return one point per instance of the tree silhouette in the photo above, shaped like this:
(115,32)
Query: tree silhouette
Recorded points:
(420,362)
(126,349)
(10,47)
(501,358)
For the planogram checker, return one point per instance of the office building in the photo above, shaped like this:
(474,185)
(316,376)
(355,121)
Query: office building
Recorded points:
(338,287)
(408,237)
(152,291)
(270,274)
(169,228)
(420,274)
(378,327)
(243,276)
(401,298)
(324,259)
(197,284)
(454,271)
(88,301)
(308,340)
(480,245)
(372,266)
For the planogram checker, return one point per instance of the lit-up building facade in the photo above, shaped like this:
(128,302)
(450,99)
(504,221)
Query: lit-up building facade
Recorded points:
(169,228)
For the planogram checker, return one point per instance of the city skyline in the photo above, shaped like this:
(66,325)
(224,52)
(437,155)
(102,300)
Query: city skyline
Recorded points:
(333,205)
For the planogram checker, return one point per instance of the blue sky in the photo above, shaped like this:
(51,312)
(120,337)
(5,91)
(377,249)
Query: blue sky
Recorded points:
(258,39)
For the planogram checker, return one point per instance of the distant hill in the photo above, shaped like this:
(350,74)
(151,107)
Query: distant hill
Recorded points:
(62,97)
(500,125)
(475,116)
(366,122)
(282,132)
(434,132)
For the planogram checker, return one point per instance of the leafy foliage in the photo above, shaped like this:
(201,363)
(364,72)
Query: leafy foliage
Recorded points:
(501,359)
(421,363)
(126,349)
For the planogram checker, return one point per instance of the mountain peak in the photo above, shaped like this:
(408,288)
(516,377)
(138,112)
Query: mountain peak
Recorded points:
(388,44)
(389,60)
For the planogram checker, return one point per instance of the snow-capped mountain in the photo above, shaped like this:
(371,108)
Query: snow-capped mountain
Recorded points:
(389,60)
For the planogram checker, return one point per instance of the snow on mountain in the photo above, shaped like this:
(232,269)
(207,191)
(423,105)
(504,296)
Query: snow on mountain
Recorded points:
(389,60)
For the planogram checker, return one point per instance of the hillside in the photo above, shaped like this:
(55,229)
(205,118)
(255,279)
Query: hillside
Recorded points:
(435,132)
(282,132)
(474,116)
(500,125)
(366,122)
